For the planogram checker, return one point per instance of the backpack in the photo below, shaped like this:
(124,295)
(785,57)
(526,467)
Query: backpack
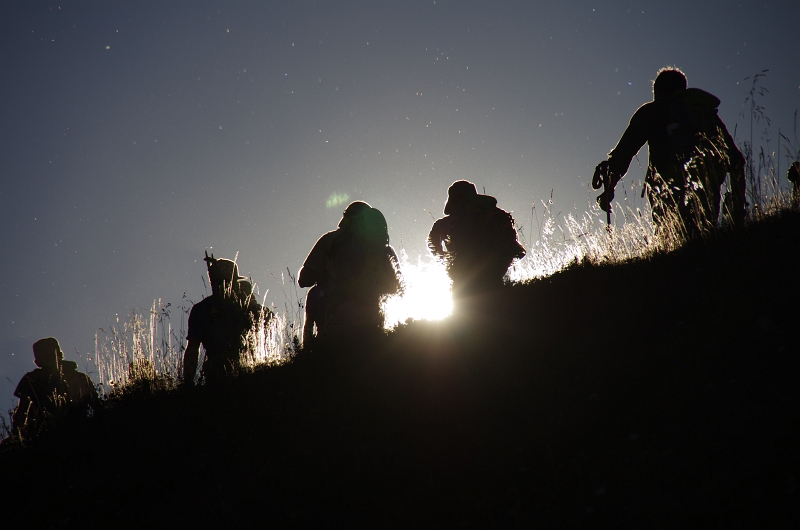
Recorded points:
(691,122)
(361,271)
(486,231)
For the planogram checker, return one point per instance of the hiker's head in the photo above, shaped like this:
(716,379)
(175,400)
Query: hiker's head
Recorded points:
(245,287)
(457,191)
(222,273)
(668,80)
(794,173)
(47,353)
(69,366)
(351,212)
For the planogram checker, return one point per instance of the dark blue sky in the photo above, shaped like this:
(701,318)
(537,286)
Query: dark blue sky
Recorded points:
(137,134)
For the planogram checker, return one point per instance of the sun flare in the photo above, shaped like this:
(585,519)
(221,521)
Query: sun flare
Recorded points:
(426,297)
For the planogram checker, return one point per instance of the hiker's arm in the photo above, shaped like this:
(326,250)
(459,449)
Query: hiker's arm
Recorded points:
(393,271)
(437,236)
(94,397)
(190,359)
(619,159)
(313,269)
(735,157)
(307,277)
(633,139)
(20,416)
(736,164)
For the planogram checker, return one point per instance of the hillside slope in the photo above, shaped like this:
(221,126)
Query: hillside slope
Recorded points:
(657,392)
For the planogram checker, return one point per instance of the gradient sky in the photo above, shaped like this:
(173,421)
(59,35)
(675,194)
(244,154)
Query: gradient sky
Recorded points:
(138,134)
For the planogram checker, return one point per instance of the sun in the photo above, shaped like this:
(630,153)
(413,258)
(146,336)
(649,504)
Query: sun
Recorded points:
(426,297)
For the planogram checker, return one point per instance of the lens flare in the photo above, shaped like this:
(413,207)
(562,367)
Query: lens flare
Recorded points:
(336,199)
(426,296)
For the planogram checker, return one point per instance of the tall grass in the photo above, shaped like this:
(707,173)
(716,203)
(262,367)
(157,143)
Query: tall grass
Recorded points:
(149,346)
(579,236)
(559,241)
(767,188)
(145,345)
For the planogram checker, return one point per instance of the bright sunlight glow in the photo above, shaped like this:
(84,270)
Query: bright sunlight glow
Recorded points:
(427,293)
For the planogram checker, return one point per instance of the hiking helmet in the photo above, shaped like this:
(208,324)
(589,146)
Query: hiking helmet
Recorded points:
(47,351)
(353,209)
(457,191)
(668,80)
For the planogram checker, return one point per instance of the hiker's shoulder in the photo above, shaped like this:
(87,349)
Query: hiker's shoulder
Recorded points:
(696,97)
(649,111)
(34,381)
(325,242)
(202,309)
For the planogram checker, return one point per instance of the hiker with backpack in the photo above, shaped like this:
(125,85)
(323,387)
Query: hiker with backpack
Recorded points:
(691,152)
(476,240)
(350,269)
(55,387)
(220,323)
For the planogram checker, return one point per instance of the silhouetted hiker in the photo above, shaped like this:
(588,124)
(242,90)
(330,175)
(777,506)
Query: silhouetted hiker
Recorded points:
(794,178)
(476,239)
(315,272)
(40,392)
(219,322)
(691,152)
(352,267)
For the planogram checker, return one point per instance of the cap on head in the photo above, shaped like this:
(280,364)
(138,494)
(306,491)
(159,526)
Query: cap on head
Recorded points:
(222,269)
(457,191)
(46,351)
(69,366)
(668,80)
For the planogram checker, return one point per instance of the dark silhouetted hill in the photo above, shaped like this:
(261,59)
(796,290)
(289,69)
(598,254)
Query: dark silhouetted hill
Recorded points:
(657,393)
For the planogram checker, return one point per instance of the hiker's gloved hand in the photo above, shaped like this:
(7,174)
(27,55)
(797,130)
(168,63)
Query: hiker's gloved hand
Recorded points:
(605,198)
(602,178)
(600,175)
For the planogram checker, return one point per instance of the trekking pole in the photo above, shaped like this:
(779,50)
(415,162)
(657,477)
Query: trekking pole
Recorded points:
(601,178)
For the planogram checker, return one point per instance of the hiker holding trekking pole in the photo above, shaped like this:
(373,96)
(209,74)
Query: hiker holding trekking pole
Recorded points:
(691,154)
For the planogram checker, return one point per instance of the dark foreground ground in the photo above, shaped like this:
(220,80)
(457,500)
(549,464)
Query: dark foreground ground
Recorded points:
(659,393)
